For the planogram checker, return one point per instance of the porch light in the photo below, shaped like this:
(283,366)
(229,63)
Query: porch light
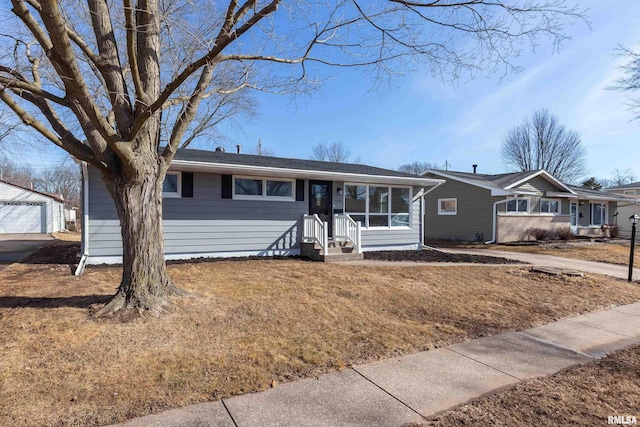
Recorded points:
(633,219)
(339,191)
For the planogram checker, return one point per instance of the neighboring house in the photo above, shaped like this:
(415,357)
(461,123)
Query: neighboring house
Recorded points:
(502,208)
(218,204)
(27,211)
(629,208)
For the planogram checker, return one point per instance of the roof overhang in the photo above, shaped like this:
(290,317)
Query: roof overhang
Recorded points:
(603,197)
(191,166)
(495,191)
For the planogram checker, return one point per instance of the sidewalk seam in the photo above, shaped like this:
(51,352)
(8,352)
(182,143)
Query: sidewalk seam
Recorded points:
(403,403)
(602,329)
(488,366)
(229,412)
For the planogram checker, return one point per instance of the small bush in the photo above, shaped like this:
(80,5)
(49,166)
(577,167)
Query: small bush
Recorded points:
(565,233)
(613,229)
(539,233)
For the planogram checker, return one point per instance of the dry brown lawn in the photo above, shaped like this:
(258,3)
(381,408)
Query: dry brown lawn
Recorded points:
(601,252)
(248,324)
(584,395)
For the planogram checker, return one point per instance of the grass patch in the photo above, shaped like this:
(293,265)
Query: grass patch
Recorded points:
(581,395)
(248,324)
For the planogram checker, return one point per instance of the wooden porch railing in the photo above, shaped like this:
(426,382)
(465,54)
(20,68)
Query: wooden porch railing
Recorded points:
(316,231)
(345,228)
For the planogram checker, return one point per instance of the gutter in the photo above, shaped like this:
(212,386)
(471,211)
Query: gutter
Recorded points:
(85,220)
(495,218)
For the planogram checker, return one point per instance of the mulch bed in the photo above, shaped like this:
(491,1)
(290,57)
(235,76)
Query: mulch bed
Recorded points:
(56,252)
(435,256)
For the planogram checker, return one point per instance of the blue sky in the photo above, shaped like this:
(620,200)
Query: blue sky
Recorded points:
(421,118)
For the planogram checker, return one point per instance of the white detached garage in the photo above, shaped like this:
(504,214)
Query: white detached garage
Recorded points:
(27,211)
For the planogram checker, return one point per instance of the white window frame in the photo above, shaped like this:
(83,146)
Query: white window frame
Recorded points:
(441,212)
(558,212)
(605,213)
(629,192)
(517,212)
(389,212)
(264,196)
(174,194)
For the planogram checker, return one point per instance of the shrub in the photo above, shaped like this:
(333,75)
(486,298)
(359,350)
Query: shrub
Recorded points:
(539,233)
(613,229)
(565,233)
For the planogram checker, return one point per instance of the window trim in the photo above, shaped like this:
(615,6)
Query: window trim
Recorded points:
(447,199)
(264,196)
(604,213)
(629,192)
(517,212)
(174,194)
(389,211)
(545,199)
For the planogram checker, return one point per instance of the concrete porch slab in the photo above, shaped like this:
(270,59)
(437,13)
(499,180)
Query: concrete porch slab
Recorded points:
(580,337)
(434,381)
(335,399)
(210,414)
(519,355)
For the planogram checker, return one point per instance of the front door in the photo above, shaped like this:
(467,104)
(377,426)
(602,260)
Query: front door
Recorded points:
(574,217)
(320,201)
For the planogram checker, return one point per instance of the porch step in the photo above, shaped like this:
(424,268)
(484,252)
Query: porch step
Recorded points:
(336,252)
(343,257)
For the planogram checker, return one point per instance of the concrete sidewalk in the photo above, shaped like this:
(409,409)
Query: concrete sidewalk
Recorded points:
(614,270)
(412,388)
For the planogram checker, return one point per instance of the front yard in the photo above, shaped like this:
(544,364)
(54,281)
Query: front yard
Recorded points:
(248,326)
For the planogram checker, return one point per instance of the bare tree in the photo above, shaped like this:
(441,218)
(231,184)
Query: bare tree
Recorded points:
(19,174)
(630,82)
(416,168)
(335,152)
(619,177)
(97,77)
(541,142)
(63,179)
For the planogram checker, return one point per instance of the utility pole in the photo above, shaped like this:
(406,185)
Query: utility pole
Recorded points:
(446,165)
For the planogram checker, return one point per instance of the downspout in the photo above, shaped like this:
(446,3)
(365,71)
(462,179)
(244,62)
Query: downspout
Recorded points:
(85,220)
(423,213)
(495,218)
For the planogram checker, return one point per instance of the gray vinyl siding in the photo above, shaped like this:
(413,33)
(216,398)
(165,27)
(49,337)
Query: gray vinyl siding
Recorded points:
(207,224)
(474,218)
(203,224)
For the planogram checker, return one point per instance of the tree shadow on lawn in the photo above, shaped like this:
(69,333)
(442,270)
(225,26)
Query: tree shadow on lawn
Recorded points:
(84,301)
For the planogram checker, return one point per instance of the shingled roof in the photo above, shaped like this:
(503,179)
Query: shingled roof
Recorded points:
(218,157)
(622,187)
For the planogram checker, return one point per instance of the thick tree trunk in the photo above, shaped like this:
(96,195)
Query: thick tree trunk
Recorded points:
(145,283)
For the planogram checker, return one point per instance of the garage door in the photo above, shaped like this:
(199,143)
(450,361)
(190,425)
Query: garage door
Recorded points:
(21,217)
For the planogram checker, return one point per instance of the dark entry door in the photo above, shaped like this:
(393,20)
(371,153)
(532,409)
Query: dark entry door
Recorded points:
(320,201)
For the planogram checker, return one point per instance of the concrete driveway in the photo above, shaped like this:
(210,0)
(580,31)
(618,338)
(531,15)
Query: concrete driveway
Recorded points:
(15,247)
